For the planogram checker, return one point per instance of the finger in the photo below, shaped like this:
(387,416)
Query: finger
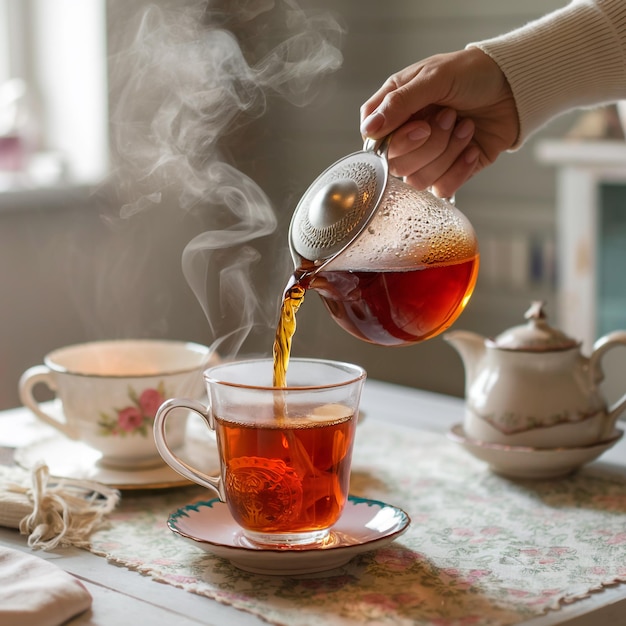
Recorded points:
(392,107)
(458,141)
(368,109)
(411,163)
(458,173)
(373,102)
(394,82)
(409,137)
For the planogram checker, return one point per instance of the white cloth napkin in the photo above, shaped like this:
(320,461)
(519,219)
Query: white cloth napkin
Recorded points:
(35,592)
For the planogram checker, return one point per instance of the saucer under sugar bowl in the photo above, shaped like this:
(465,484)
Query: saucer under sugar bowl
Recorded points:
(525,462)
(532,387)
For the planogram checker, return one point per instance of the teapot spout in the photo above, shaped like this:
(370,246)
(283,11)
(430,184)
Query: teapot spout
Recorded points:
(471,347)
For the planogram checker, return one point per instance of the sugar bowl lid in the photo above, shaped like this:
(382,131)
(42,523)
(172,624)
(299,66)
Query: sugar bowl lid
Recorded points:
(534,336)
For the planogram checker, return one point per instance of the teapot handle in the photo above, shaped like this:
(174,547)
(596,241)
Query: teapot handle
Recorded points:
(379,146)
(600,348)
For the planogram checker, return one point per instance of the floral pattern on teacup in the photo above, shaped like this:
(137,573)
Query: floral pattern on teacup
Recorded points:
(137,417)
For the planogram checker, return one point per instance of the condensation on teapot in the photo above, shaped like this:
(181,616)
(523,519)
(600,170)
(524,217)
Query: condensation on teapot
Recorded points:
(411,229)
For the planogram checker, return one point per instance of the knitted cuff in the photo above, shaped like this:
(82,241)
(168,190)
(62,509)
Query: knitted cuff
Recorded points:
(573,57)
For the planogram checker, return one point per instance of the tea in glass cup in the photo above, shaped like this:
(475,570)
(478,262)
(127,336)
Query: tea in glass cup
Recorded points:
(285,452)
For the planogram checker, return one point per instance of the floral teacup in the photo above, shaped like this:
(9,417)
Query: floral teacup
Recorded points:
(109,392)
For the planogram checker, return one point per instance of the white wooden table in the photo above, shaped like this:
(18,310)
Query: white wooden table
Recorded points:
(124,597)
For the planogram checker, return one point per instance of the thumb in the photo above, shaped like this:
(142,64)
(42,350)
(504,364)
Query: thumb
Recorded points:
(394,108)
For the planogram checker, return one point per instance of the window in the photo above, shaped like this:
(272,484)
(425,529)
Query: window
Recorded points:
(53,93)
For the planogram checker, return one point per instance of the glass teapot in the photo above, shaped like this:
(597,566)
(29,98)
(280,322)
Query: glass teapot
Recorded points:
(393,265)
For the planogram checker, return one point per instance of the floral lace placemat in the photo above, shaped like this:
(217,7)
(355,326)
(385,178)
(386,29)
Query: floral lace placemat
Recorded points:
(481,549)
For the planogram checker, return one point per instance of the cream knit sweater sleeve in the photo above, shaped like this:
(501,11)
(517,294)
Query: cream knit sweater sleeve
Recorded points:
(573,57)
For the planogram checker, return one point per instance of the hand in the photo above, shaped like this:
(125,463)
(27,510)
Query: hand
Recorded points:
(451,115)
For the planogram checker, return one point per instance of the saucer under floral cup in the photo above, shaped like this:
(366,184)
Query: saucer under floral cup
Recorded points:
(110,392)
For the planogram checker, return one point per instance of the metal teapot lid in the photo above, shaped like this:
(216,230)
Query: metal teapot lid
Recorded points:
(535,336)
(339,204)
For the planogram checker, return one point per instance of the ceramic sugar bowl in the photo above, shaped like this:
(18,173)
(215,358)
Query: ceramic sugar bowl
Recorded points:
(532,386)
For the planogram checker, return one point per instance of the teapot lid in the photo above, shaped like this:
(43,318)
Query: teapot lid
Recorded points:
(536,335)
(339,204)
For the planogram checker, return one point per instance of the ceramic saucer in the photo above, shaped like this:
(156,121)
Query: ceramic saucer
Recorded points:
(66,458)
(525,462)
(364,525)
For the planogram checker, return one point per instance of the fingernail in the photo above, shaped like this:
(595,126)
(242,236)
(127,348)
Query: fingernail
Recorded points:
(472,154)
(418,133)
(372,123)
(464,129)
(446,119)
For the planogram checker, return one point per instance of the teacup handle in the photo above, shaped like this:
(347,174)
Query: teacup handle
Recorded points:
(174,461)
(600,347)
(41,374)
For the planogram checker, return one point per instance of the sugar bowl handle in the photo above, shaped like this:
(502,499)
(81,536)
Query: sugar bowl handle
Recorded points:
(600,348)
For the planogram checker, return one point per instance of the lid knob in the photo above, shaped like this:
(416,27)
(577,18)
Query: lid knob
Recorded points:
(536,335)
(536,311)
(333,202)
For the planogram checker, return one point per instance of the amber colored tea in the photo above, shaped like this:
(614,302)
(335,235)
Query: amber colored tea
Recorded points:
(287,475)
(397,307)
(388,308)
(292,299)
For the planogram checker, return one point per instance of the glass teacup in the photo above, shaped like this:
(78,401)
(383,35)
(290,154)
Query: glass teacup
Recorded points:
(285,453)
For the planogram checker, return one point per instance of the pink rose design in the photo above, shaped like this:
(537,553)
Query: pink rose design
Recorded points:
(477,574)
(380,600)
(407,599)
(396,560)
(180,578)
(149,401)
(129,418)
(451,571)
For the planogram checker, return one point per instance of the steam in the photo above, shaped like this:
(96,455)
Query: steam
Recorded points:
(193,74)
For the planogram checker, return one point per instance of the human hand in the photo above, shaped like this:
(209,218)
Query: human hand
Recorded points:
(451,115)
